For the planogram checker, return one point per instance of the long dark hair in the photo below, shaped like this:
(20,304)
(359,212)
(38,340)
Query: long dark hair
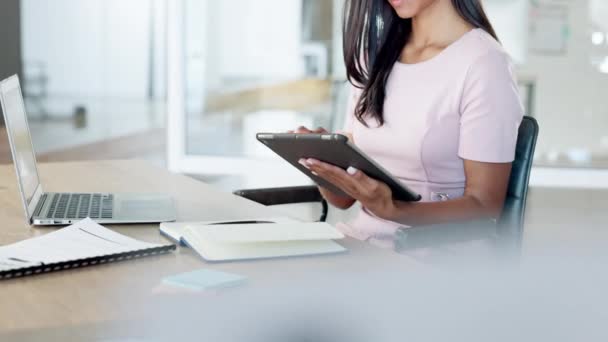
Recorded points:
(374,36)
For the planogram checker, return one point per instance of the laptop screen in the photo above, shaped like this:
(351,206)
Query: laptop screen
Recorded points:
(19,134)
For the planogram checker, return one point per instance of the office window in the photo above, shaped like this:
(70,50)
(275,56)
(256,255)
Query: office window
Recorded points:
(255,65)
(94,77)
(564,80)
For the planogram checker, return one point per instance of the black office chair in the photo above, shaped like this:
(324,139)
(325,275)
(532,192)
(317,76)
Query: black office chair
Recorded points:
(511,221)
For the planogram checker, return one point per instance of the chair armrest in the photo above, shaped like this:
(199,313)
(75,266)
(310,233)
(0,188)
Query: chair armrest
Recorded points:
(277,196)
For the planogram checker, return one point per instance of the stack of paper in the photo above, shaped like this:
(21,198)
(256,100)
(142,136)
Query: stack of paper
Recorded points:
(83,240)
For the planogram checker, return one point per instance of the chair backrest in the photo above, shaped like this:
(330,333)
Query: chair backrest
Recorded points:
(512,218)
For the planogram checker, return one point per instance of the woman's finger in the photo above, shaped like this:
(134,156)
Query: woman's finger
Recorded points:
(303,130)
(363,179)
(336,176)
(306,130)
(322,172)
(343,184)
(357,182)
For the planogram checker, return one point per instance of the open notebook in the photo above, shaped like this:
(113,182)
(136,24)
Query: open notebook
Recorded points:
(259,241)
(85,243)
(175,230)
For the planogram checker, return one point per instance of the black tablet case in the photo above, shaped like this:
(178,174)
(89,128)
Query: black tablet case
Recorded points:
(334,149)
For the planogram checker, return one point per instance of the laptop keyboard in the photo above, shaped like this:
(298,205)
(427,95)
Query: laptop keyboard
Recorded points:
(80,206)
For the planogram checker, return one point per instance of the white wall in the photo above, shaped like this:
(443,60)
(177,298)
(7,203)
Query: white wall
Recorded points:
(254,39)
(599,13)
(339,70)
(261,38)
(237,44)
(510,21)
(197,57)
(571,100)
(160,48)
(92,48)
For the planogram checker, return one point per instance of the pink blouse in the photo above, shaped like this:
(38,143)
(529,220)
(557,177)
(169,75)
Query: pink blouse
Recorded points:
(461,104)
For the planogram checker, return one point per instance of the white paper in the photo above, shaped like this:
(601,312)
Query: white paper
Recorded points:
(9,263)
(82,240)
(252,233)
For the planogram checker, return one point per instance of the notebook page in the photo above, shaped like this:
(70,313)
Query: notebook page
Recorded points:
(248,233)
(85,239)
(175,230)
(8,263)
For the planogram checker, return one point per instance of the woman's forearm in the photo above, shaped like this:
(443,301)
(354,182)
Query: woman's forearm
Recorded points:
(337,201)
(463,209)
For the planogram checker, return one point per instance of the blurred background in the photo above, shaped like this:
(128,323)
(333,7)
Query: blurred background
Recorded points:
(186,84)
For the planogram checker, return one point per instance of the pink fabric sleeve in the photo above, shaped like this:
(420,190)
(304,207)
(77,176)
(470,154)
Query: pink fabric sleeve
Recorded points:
(353,98)
(491,111)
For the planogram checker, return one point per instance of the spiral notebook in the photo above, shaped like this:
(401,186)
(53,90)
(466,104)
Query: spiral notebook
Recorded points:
(83,244)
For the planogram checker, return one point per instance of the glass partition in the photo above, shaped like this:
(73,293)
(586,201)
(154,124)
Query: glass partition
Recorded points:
(94,71)
(250,66)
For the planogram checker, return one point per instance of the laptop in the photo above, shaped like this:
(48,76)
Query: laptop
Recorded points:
(42,208)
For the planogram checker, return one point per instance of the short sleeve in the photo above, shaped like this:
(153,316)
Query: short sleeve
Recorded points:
(353,99)
(491,110)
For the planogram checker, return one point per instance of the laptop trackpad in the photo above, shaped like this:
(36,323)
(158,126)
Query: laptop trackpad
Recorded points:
(144,207)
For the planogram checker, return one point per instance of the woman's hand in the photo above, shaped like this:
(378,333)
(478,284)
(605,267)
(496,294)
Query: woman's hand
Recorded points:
(320,130)
(305,130)
(336,200)
(376,196)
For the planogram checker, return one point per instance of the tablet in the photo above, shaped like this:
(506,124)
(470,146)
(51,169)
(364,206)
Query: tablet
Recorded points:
(337,150)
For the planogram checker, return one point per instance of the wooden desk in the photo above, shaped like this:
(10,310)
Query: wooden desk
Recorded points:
(119,292)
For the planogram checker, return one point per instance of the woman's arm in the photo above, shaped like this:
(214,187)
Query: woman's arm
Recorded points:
(484,198)
(484,195)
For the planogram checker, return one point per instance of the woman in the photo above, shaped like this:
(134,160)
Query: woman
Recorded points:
(435,102)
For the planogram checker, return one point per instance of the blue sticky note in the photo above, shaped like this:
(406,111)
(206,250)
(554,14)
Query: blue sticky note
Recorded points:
(205,280)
